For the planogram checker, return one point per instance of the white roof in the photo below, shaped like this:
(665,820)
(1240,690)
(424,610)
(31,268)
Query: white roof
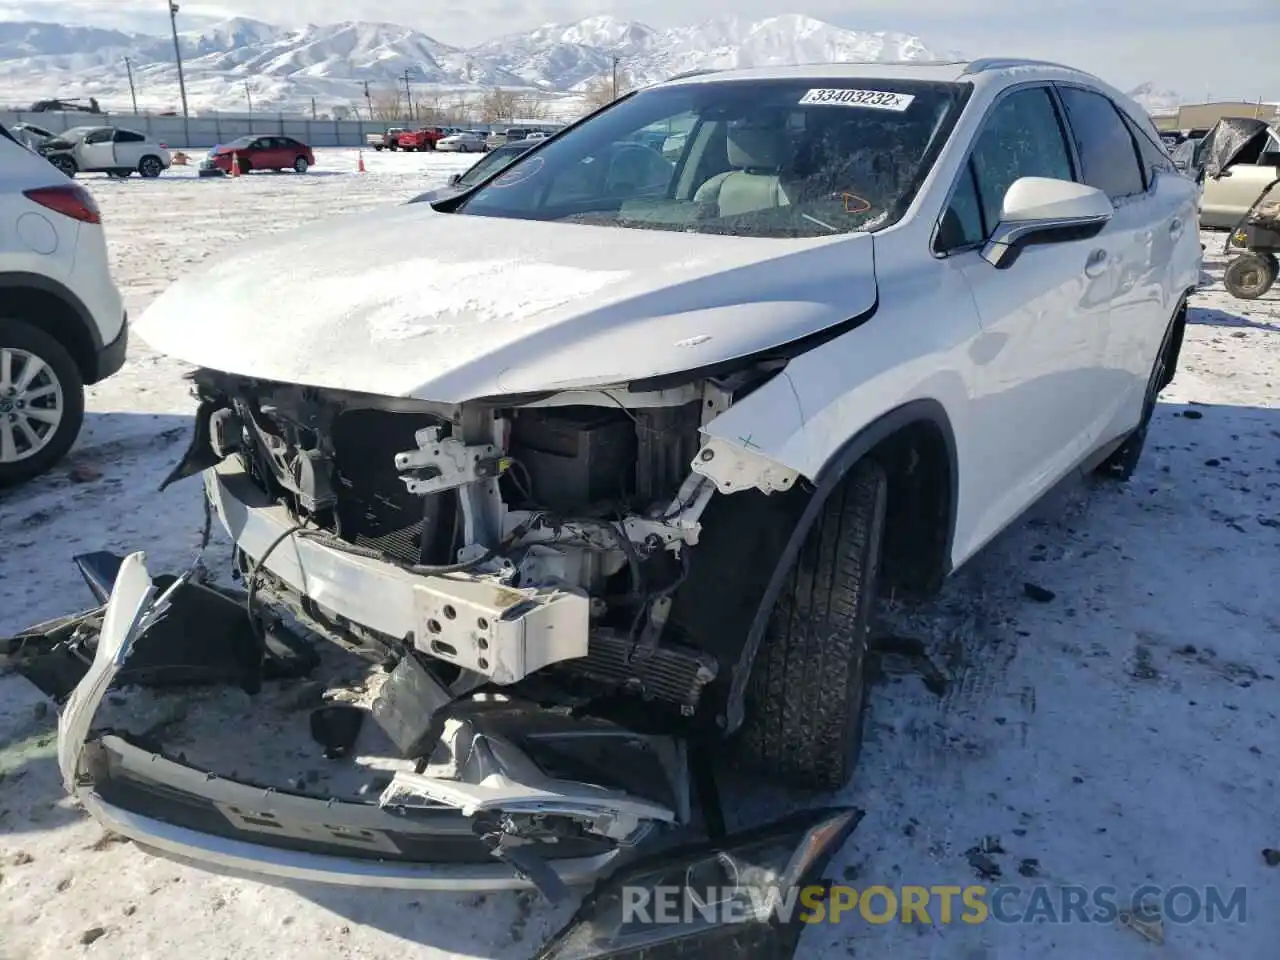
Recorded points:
(984,74)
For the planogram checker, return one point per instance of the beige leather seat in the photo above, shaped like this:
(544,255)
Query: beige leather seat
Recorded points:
(757,154)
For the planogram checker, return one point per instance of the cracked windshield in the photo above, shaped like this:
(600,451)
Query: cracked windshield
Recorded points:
(743,158)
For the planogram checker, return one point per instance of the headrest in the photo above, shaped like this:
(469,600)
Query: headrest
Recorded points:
(755,148)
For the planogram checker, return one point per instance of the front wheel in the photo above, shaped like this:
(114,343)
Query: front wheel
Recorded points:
(377,149)
(1250,275)
(41,401)
(65,164)
(807,692)
(300,165)
(150,167)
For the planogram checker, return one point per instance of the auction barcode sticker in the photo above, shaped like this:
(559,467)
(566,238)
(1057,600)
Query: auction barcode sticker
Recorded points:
(873,99)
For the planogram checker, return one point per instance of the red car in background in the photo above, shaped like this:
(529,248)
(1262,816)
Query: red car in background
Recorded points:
(424,139)
(261,153)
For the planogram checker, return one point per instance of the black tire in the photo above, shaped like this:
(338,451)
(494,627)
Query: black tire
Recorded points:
(807,694)
(300,165)
(65,164)
(1249,276)
(1123,461)
(20,335)
(150,167)
(245,165)
(377,149)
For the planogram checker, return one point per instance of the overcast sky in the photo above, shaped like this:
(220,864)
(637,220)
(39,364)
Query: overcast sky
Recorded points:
(1225,48)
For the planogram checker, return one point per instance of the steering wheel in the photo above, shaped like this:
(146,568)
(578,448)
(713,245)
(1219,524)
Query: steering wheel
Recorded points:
(646,159)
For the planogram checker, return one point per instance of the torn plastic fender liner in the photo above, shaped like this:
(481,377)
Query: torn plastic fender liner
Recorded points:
(745,897)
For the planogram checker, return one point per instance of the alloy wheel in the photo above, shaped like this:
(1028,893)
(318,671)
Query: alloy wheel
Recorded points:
(31,404)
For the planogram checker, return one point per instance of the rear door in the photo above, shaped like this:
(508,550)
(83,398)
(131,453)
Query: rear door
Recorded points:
(130,147)
(1043,318)
(97,150)
(1138,244)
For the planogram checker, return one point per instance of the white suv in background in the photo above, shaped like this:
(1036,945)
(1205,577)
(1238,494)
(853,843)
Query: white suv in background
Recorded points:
(62,321)
(110,150)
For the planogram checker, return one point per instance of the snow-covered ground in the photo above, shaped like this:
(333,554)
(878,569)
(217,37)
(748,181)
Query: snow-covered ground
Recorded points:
(1122,733)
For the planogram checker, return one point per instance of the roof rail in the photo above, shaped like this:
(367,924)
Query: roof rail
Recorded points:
(693,73)
(983,64)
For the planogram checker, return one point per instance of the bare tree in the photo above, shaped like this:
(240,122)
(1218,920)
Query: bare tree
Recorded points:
(387,105)
(460,112)
(531,108)
(600,92)
(498,105)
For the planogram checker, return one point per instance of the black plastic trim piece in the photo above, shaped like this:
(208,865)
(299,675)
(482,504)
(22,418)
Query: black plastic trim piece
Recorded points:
(35,281)
(110,358)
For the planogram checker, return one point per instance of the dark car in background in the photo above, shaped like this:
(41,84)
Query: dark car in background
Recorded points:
(487,166)
(259,153)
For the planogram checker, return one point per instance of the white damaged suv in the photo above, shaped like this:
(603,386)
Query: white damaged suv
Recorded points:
(635,439)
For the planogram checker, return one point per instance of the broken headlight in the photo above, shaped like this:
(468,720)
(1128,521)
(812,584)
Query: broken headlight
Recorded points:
(746,896)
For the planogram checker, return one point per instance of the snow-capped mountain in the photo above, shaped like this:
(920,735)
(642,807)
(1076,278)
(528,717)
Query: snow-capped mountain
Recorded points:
(285,68)
(1156,101)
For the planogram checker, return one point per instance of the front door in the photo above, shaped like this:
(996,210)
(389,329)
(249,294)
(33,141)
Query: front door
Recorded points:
(1043,318)
(97,150)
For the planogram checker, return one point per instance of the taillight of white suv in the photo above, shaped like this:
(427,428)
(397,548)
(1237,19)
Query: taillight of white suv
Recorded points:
(70,200)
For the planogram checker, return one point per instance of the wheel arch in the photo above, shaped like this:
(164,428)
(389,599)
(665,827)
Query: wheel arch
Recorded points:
(49,305)
(916,444)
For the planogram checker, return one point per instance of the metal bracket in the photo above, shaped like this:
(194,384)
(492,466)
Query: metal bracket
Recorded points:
(734,467)
(445,463)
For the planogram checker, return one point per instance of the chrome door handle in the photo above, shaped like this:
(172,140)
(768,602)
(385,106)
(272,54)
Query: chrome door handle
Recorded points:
(1096,265)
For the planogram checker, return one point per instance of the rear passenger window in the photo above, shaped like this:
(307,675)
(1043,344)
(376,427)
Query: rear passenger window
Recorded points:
(128,136)
(1108,154)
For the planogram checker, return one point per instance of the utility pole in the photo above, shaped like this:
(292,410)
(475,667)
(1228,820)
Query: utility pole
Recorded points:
(368,99)
(248,95)
(133,92)
(177,56)
(313,108)
(408,96)
(616,59)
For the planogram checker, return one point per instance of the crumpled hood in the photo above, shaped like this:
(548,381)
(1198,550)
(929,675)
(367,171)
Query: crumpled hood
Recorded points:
(411,302)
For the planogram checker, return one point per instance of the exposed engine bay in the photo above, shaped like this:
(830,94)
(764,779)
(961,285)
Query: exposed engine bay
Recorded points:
(557,538)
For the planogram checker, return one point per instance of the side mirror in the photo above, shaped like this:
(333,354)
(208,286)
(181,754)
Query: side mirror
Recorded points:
(1043,210)
(454,178)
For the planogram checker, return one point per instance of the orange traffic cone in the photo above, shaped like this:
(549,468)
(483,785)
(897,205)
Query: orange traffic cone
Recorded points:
(361,167)
(235,164)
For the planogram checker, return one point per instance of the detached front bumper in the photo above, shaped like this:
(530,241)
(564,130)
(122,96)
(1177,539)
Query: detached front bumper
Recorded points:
(224,825)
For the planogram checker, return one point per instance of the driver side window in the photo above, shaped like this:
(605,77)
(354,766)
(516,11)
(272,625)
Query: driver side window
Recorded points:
(1022,137)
